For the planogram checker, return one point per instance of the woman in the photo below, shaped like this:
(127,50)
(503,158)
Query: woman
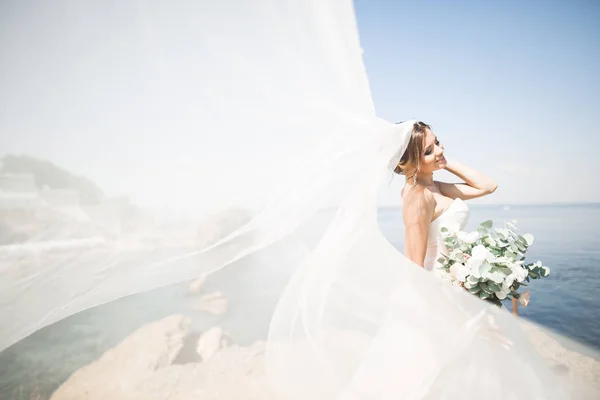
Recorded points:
(426,203)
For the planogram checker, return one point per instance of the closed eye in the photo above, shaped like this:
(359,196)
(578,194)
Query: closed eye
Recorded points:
(429,149)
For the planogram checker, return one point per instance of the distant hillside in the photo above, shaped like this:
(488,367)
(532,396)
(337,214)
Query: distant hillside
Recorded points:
(48,174)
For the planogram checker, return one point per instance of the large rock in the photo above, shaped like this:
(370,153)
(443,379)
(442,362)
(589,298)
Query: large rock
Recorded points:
(233,373)
(120,372)
(210,342)
(236,373)
(141,368)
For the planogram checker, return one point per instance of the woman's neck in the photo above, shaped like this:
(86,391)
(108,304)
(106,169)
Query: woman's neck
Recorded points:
(422,179)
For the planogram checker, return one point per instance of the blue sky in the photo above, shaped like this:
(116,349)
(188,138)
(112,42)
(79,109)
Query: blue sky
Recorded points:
(510,87)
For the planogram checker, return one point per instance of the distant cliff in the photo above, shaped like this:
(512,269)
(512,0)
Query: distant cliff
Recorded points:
(48,174)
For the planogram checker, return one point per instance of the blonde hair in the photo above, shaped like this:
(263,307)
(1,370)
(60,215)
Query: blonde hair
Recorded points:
(410,163)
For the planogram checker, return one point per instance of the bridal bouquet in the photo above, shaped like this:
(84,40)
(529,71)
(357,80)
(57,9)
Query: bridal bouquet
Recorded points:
(489,262)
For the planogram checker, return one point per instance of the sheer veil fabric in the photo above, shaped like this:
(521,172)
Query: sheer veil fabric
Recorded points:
(246,130)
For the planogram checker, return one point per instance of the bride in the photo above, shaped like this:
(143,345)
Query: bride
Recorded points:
(429,204)
(369,325)
(426,203)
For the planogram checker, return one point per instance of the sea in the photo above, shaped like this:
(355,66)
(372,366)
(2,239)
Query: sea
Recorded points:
(567,239)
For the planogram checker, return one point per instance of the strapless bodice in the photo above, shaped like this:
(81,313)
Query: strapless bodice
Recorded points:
(455,217)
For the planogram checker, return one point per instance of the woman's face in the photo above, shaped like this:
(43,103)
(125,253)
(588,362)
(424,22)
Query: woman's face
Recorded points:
(432,158)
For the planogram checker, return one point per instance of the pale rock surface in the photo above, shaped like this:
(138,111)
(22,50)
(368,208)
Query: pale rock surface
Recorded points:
(215,303)
(210,342)
(140,368)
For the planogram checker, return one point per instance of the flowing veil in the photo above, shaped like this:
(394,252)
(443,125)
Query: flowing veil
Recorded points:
(244,136)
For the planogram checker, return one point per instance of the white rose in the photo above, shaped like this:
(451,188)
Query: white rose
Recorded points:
(478,256)
(509,280)
(474,269)
(482,252)
(519,273)
(460,272)
(468,238)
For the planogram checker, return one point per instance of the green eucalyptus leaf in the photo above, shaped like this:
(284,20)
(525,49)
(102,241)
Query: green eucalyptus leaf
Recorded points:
(494,287)
(506,270)
(495,300)
(486,288)
(528,238)
(523,241)
(487,224)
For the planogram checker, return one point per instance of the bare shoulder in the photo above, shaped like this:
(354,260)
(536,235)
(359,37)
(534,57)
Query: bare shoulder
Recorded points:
(418,194)
(418,200)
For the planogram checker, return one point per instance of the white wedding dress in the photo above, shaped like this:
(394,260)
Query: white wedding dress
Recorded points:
(410,359)
(432,341)
(454,217)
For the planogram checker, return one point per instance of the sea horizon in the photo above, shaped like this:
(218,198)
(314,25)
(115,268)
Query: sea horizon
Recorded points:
(492,205)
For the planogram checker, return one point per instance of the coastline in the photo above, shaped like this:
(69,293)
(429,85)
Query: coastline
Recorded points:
(160,359)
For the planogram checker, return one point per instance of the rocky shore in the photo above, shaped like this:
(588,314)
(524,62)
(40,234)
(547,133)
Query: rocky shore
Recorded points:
(165,360)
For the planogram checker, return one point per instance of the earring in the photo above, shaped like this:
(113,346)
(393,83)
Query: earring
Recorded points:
(415,178)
